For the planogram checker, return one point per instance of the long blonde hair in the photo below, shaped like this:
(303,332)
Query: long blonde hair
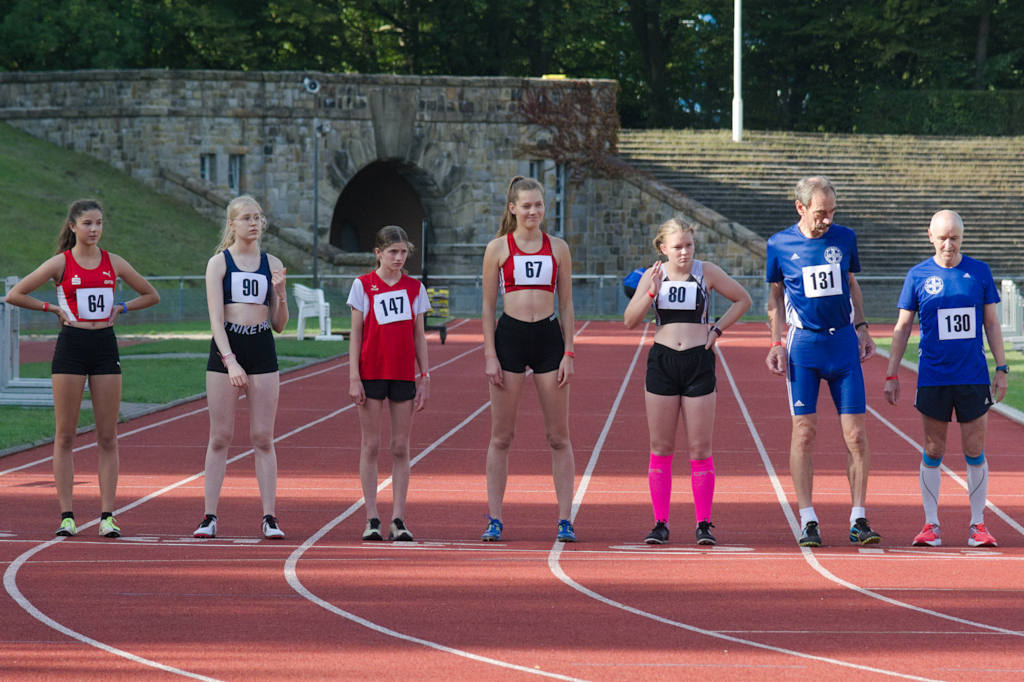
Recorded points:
(674,224)
(234,208)
(66,239)
(518,184)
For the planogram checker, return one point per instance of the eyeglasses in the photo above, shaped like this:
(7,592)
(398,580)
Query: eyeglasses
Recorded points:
(250,217)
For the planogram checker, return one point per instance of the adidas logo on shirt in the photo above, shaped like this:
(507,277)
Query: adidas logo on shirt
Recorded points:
(795,256)
(798,403)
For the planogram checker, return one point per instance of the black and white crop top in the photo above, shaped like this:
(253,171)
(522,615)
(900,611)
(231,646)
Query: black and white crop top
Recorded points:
(242,286)
(683,301)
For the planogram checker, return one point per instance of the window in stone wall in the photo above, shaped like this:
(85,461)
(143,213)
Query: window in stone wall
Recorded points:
(553,176)
(208,167)
(235,169)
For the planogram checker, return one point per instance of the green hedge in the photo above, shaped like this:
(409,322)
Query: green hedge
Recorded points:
(943,112)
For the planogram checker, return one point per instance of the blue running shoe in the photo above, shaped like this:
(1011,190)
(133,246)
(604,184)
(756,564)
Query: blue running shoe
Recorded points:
(493,532)
(565,531)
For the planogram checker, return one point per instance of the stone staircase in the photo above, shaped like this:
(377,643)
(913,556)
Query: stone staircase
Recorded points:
(888,186)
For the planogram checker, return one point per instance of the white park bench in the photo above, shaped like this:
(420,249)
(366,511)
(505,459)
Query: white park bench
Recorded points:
(311,303)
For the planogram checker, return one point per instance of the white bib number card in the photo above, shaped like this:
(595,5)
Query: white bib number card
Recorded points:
(95,304)
(956,323)
(248,287)
(535,270)
(392,307)
(677,295)
(823,280)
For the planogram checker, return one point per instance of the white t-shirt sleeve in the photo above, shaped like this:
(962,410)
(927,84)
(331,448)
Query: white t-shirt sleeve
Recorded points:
(357,298)
(422,304)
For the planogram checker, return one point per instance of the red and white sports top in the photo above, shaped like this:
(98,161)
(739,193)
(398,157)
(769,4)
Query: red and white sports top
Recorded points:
(389,325)
(87,294)
(528,270)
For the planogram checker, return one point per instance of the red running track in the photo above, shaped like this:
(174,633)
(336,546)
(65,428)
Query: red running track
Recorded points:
(324,605)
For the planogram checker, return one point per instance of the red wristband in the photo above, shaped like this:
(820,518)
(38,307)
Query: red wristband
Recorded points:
(893,378)
(652,294)
(46,306)
(570,354)
(775,343)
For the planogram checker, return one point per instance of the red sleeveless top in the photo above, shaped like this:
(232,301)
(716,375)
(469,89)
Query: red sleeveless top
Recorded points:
(528,270)
(87,294)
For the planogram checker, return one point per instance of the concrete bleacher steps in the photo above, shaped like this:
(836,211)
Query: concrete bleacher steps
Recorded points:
(888,186)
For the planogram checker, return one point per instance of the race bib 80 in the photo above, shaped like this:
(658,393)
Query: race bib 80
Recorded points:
(823,280)
(956,323)
(535,270)
(392,306)
(95,303)
(248,287)
(677,295)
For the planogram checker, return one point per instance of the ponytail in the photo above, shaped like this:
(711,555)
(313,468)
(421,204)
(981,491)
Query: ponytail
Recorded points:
(517,185)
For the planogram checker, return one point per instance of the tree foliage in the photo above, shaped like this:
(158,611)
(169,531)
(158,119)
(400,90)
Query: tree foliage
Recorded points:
(808,64)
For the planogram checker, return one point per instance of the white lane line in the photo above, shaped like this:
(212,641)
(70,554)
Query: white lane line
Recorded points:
(809,556)
(291,574)
(11,574)
(1010,521)
(556,553)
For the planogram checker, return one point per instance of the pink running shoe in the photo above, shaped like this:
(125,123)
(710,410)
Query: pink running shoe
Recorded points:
(980,537)
(929,536)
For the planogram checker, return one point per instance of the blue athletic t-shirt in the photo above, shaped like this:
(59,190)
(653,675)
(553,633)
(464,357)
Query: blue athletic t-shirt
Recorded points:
(951,305)
(816,275)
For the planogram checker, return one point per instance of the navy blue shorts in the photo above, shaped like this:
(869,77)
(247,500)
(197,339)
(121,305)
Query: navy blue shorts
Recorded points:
(537,345)
(969,400)
(253,346)
(86,352)
(689,372)
(835,357)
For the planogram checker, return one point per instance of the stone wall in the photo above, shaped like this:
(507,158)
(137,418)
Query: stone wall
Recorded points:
(457,141)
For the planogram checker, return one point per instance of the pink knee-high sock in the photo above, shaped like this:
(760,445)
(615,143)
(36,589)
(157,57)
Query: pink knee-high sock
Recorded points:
(702,480)
(659,478)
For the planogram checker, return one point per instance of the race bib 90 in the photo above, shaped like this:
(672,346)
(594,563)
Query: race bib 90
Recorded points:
(956,323)
(822,280)
(95,304)
(677,295)
(535,270)
(392,306)
(248,287)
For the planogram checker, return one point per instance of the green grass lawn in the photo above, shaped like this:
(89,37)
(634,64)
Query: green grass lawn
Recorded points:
(1015,359)
(148,380)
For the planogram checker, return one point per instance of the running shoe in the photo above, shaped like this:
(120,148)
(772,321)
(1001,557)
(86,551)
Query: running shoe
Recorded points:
(207,528)
(565,531)
(704,536)
(980,537)
(930,536)
(67,528)
(372,532)
(493,532)
(271,530)
(861,532)
(109,529)
(658,534)
(811,536)
(398,531)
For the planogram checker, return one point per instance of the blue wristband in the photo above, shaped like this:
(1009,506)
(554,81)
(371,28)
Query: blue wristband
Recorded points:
(124,307)
(1005,369)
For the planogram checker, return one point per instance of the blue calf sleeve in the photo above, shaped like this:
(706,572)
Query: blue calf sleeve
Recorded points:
(975,461)
(930,461)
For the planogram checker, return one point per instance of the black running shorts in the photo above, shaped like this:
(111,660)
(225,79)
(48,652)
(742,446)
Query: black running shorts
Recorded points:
(86,352)
(537,345)
(969,400)
(252,345)
(689,372)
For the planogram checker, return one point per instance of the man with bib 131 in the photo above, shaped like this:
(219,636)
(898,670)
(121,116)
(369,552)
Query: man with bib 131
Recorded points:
(810,270)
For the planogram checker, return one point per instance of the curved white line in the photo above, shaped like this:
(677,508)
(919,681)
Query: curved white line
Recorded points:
(556,551)
(11,574)
(809,556)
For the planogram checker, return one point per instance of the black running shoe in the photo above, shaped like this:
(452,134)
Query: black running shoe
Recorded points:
(811,536)
(399,532)
(658,535)
(861,532)
(372,532)
(704,536)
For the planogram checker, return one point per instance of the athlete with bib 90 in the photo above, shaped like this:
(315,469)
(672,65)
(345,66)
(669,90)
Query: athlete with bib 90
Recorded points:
(810,270)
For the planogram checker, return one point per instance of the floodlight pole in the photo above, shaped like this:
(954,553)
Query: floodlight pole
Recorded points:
(737,82)
(316,201)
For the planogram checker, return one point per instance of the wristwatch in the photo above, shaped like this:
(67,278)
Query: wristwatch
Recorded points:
(1005,369)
